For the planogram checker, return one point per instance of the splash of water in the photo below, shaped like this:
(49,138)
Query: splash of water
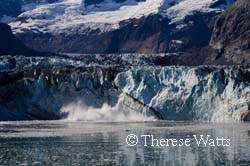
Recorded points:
(78,111)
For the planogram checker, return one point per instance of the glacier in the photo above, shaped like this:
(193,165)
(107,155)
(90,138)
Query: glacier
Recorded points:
(217,94)
(83,87)
(73,16)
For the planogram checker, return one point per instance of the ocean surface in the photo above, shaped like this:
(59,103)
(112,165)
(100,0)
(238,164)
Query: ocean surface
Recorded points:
(105,143)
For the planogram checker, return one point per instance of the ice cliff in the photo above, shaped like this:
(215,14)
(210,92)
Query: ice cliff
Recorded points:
(44,87)
(182,93)
(54,88)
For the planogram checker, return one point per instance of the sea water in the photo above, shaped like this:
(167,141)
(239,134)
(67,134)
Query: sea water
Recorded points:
(105,143)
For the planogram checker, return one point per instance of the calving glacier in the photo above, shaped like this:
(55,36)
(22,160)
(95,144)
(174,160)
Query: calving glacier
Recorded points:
(94,87)
(121,112)
(183,93)
(44,87)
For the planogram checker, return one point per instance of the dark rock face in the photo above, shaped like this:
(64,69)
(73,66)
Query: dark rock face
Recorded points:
(231,34)
(10,45)
(155,35)
(151,34)
(93,2)
(230,40)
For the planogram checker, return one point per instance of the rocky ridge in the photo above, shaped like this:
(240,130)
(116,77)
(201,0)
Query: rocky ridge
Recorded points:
(229,43)
(231,34)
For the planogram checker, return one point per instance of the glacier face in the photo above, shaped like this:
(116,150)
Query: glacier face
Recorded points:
(40,93)
(74,16)
(217,94)
(45,88)
(52,88)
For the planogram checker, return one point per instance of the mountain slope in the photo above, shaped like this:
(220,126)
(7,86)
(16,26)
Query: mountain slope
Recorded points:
(10,45)
(115,26)
(232,33)
(230,40)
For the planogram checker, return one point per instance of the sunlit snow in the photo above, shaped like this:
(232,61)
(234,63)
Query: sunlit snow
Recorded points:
(71,16)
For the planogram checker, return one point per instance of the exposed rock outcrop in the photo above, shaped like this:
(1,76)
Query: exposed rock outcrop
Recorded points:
(96,2)
(230,41)
(231,34)
(10,45)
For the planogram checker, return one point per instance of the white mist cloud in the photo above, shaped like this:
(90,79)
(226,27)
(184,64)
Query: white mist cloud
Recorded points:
(78,111)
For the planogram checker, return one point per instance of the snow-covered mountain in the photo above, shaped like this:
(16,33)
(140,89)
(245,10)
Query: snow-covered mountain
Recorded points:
(74,16)
(84,25)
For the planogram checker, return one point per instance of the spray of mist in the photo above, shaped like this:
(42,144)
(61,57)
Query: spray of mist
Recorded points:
(78,111)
